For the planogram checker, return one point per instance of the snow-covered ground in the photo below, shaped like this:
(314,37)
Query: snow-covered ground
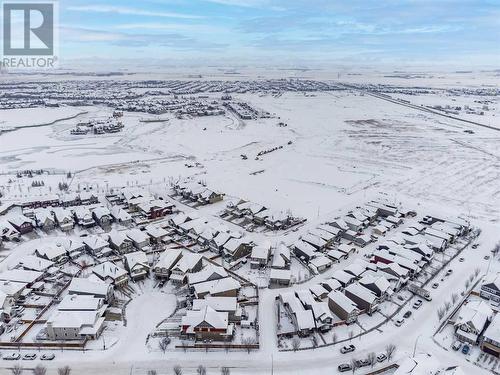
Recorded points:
(339,150)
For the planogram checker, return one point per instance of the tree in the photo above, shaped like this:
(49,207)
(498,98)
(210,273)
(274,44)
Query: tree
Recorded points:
(389,351)
(39,370)
(372,359)
(354,365)
(351,335)
(248,341)
(163,344)
(334,337)
(66,370)
(225,371)
(201,370)
(177,370)
(16,370)
(295,343)
(152,372)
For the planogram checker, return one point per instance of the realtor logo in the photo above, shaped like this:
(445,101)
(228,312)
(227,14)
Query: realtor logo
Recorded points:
(29,34)
(28,29)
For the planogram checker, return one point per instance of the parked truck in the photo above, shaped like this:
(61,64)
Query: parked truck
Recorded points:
(419,291)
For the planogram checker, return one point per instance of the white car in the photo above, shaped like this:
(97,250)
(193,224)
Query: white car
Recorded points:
(381,357)
(12,357)
(399,322)
(417,304)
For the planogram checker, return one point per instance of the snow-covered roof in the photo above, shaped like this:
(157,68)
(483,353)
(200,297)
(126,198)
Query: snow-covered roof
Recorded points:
(34,263)
(108,269)
(475,313)
(217,286)
(215,319)
(22,276)
(341,300)
(77,302)
(169,258)
(216,303)
(210,271)
(361,292)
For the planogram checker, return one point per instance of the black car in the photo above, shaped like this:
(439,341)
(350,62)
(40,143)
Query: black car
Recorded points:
(407,314)
(345,367)
(362,362)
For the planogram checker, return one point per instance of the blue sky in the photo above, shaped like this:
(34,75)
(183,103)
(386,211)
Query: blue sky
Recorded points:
(461,32)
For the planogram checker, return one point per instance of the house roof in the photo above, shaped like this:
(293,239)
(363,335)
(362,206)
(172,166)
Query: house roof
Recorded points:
(475,313)
(34,263)
(215,319)
(169,258)
(217,286)
(135,258)
(22,276)
(361,292)
(210,271)
(78,302)
(109,269)
(344,302)
(85,286)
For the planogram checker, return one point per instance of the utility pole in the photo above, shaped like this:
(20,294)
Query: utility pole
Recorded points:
(415,346)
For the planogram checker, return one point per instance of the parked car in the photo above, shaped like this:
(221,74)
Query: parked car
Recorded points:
(362,362)
(407,314)
(465,349)
(347,349)
(461,259)
(456,345)
(417,304)
(29,356)
(486,257)
(12,357)
(435,285)
(381,357)
(47,357)
(475,246)
(399,322)
(449,272)
(344,367)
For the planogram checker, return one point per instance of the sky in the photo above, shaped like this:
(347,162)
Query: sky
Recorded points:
(282,32)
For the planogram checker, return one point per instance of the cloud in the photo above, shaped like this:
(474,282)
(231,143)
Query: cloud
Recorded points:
(173,40)
(131,11)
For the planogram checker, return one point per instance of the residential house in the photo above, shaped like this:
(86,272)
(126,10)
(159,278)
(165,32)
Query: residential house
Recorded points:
(119,242)
(207,324)
(491,338)
(490,289)
(87,287)
(111,274)
(473,318)
(365,299)
(225,287)
(187,264)
(136,264)
(102,216)
(21,223)
(63,218)
(139,238)
(280,277)
(260,256)
(343,307)
(168,259)
(44,219)
(235,249)
(83,216)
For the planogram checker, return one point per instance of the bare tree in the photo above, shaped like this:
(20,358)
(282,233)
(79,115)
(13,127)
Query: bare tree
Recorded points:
(163,344)
(372,359)
(225,371)
(177,370)
(66,370)
(152,372)
(354,365)
(39,370)
(447,306)
(351,335)
(389,351)
(249,341)
(454,298)
(440,313)
(295,343)
(16,370)
(201,370)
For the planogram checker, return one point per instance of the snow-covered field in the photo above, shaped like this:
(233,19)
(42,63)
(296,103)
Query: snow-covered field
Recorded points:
(340,149)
